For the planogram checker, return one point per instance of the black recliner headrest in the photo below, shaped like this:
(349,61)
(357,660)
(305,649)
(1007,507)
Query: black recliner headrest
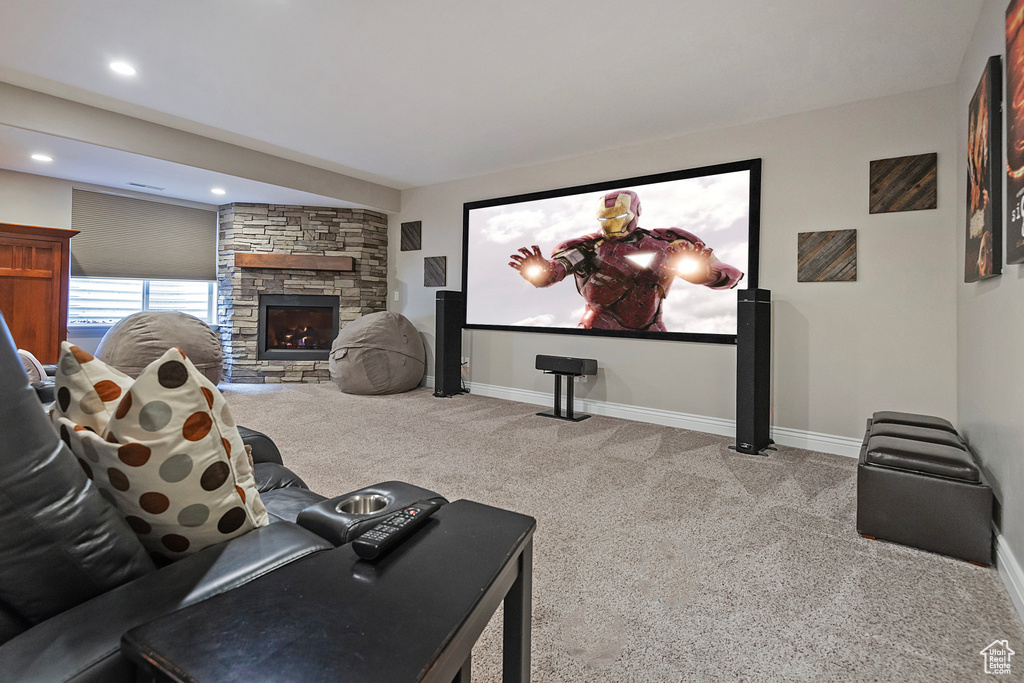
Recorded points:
(63,543)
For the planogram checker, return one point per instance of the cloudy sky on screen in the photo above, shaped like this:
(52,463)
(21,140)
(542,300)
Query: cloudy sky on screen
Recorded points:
(715,208)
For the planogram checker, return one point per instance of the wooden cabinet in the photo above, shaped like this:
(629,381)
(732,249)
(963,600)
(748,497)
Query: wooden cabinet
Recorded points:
(34,271)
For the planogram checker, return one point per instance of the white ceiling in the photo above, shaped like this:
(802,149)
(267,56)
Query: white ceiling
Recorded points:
(416,92)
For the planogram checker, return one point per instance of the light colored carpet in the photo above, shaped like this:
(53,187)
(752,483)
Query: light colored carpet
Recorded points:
(660,554)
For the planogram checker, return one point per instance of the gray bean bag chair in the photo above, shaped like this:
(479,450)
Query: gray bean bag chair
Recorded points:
(380,353)
(139,339)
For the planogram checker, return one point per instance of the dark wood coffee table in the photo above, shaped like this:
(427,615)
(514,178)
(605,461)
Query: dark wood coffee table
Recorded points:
(413,615)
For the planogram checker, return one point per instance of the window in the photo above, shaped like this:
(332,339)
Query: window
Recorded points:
(103,301)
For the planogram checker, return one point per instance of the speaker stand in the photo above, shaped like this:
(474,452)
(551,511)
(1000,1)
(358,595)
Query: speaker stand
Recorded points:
(556,411)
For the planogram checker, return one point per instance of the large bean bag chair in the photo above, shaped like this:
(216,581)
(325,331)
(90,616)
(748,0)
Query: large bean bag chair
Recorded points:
(380,353)
(140,338)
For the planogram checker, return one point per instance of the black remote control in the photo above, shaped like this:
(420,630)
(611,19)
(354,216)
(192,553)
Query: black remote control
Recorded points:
(393,530)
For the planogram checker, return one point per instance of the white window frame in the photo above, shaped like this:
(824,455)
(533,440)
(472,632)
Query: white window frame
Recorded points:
(86,328)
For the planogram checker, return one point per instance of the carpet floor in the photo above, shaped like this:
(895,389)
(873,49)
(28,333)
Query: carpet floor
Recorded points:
(660,554)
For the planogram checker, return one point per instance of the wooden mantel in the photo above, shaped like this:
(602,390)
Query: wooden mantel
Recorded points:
(292,261)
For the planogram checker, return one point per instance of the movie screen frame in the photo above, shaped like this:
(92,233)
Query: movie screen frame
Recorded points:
(749,281)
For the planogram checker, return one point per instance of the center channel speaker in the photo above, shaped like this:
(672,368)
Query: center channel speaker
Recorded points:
(753,370)
(564,365)
(450,313)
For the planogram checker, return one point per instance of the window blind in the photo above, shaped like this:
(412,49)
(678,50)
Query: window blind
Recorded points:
(104,301)
(133,238)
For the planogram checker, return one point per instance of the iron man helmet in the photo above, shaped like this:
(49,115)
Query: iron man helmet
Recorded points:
(618,213)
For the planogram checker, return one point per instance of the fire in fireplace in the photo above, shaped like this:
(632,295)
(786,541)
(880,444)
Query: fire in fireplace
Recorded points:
(297,326)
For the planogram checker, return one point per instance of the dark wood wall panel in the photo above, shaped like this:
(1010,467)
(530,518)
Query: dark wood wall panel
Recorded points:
(827,256)
(904,183)
(412,236)
(435,271)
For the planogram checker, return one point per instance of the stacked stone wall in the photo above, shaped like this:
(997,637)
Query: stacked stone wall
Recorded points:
(305,230)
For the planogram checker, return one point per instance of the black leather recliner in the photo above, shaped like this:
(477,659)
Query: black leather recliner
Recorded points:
(73,576)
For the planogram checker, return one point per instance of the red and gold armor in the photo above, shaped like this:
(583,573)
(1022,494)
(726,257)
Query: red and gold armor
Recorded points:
(624,272)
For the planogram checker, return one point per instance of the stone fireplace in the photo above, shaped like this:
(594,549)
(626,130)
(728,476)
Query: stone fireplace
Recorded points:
(288,276)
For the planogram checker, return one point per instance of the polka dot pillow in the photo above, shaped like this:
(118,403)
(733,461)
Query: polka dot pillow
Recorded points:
(87,389)
(169,456)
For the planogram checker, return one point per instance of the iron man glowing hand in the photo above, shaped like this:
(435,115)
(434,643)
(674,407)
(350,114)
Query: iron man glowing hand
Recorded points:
(692,262)
(534,268)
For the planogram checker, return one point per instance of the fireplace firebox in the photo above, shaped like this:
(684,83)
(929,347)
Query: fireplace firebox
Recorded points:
(296,326)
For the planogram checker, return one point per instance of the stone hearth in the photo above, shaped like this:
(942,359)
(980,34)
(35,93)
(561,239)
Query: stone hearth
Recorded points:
(294,230)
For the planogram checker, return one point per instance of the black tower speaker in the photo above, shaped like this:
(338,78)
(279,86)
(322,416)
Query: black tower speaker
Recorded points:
(753,370)
(451,311)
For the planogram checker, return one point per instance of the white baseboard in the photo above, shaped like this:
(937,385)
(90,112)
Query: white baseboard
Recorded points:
(1010,572)
(826,443)
(816,441)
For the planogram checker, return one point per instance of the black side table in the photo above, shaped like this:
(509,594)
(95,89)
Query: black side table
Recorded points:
(413,615)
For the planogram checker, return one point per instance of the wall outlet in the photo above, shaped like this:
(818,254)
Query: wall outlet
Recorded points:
(582,379)
(396,295)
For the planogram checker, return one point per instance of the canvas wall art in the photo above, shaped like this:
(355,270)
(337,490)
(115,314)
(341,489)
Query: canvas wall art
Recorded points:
(1015,132)
(984,254)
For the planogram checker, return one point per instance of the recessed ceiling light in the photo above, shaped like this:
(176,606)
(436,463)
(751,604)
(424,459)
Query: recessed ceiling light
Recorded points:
(123,68)
(218,190)
(42,157)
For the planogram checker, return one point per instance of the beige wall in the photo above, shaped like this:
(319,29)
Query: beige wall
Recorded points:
(841,350)
(990,365)
(34,200)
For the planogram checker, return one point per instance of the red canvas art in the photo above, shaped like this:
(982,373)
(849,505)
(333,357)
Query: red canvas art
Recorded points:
(983,254)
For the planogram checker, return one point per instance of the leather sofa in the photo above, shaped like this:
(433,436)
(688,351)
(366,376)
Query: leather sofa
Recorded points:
(74,578)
